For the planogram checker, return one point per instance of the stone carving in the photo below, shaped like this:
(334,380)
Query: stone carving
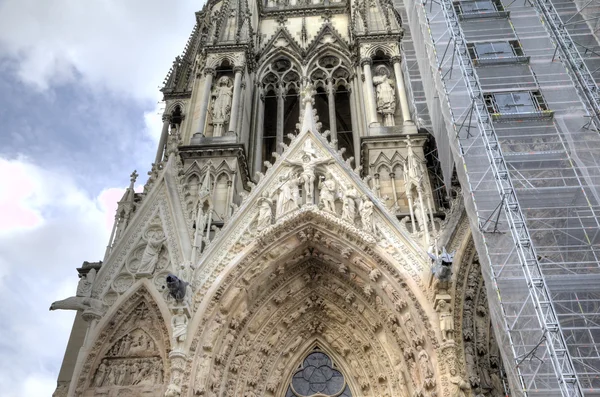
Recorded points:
(179,323)
(366,214)
(327,190)
(222,96)
(129,372)
(386,95)
(425,367)
(213,333)
(446,320)
(349,204)
(289,194)
(84,286)
(394,296)
(151,252)
(308,164)
(458,387)
(173,390)
(78,303)
(265,213)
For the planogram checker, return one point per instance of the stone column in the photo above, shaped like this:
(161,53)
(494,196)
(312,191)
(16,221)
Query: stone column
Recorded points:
(210,73)
(163,139)
(235,102)
(370,103)
(280,116)
(395,201)
(355,128)
(401,90)
(260,117)
(331,103)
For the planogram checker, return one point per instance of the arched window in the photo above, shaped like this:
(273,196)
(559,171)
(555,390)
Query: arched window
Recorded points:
(318,376)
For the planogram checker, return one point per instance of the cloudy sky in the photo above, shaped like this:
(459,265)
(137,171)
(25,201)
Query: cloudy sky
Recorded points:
(78,107)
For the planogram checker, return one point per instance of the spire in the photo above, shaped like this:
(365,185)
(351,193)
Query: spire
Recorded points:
(308,119)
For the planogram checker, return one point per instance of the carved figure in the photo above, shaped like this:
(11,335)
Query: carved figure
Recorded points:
(442,265)
(349,206)
(78,303)
(101,374)
(386,95)
(151,254)
(424,364)
(179,323)
(458,387)
(327,193)
(84,286)
(309,163)
(221,108)
(446,320)
(289,195)
(366,213)
(265,213)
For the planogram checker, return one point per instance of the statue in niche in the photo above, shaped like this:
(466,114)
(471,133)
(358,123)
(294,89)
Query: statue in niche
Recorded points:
(289,194)
(308,164)
(265,212)
(458,387)
(366,213)
(446,320)
(327,189)
(349,205)
(179,323)
(101,373)
(221,108)
(386,95)
(84,286)
(151,252)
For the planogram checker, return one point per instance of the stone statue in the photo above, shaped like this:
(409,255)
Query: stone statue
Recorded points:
(151,254)
(173,390)
(179,323)
(349,206)
(446,320)
(84,286)
(265,213)
(101,374)
(458,387)
(386,95)
(309,163)
(424,364)
(442,265)
(78,303)
(327,193)
(221,108)
(289,194)
(366,213)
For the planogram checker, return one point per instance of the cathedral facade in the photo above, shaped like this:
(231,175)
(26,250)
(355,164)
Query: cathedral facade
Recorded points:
(294,237)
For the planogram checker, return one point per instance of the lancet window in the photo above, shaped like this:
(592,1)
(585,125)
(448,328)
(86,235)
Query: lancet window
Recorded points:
(280,98)
(318,376)
(332,82)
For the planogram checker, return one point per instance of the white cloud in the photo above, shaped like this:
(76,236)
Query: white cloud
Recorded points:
(37,266)
(123,46)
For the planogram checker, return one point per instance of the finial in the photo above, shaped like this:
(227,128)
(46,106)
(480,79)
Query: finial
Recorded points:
(133,176)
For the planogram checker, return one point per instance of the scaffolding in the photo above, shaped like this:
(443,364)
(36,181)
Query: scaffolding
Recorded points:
(522,131)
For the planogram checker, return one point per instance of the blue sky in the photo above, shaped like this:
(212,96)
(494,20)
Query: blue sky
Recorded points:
(78,108)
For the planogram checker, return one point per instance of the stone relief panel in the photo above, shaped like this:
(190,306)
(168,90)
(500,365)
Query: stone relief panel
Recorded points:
(129,355)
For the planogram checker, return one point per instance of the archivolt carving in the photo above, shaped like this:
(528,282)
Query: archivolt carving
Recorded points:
(130,352)
(342,298)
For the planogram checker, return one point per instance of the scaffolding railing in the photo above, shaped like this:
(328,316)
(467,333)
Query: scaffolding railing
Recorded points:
(546,224)
(572,57)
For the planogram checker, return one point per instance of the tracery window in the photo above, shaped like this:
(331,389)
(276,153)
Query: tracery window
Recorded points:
(318,376)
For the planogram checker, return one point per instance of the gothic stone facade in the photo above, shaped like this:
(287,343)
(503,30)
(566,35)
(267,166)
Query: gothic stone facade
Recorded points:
(292,192)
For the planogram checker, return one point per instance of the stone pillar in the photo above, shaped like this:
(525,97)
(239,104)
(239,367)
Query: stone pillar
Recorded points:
(235,102)
(331,103)
(401,90)
(163,139)
(280,118)
(210,73)
(260,117)
(393,181)
(355,129)
(370,103)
